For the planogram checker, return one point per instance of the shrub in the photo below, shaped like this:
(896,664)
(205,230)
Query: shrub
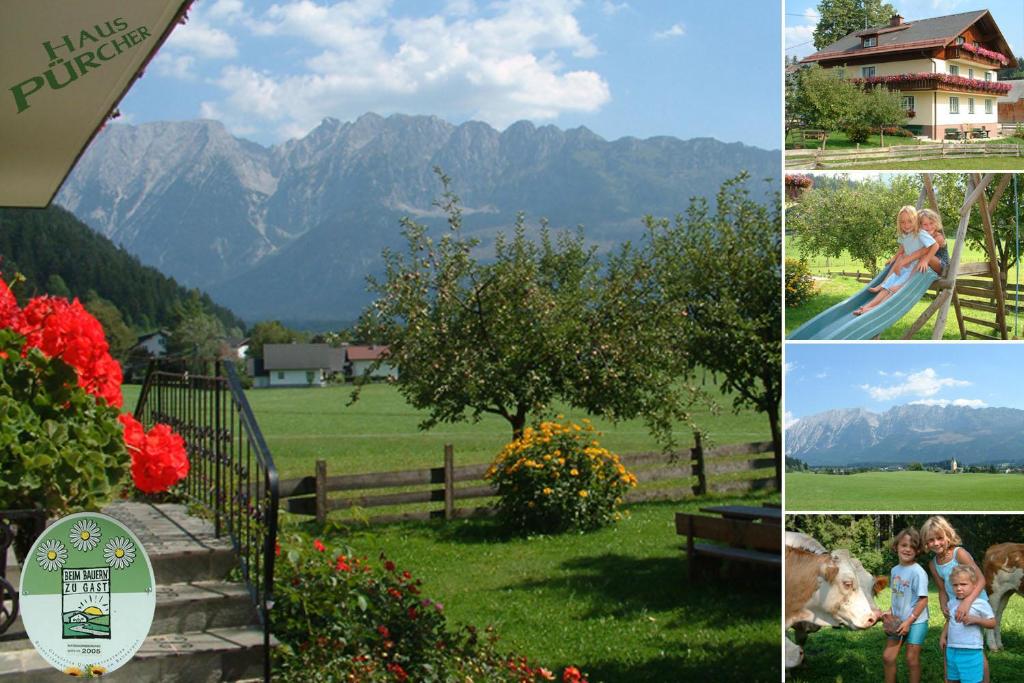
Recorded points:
(799,282)
(857,132)
(342,618)
(557,477)
(898,131)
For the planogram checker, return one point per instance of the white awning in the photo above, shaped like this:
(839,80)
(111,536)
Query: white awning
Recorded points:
(64,66)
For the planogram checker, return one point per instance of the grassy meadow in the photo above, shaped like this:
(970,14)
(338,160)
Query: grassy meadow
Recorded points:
(924,491)
(843,656)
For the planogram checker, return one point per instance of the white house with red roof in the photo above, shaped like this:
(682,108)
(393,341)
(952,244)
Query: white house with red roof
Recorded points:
(360,358)
(944,69)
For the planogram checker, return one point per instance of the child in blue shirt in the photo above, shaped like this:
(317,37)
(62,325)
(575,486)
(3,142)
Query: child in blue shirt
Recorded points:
(962,637)
(908,583)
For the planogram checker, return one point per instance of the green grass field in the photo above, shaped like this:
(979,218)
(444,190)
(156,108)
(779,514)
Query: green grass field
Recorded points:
(615,602)
(980,163)
(923,491)
(827,265)
(380,434)
(844,656)
(839,140)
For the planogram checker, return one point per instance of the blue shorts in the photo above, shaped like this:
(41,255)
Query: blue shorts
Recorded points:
(964,665)
(916,634)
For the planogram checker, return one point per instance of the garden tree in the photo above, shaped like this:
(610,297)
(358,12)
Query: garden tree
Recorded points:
(949,191)
(1011,73)
(825,101)
(881,107)
(842,17)
(119,336)
(509,336)
(56,286)
(857,217)
(270,332)
(719,276)
(196,334)
(857,533)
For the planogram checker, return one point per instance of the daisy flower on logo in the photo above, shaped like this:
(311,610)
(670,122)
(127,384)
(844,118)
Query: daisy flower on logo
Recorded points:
(85,535)
(52,555)
(119,552)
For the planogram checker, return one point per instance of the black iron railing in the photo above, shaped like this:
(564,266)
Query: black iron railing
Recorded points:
(232,474)
(18,528)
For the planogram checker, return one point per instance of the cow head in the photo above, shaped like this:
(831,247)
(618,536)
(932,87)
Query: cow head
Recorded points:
(843,598)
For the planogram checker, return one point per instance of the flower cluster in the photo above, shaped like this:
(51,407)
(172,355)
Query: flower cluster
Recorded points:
(984,52)
(799,180)
(895,80)
(158,456)
(57,346)
(342,617)
(558,477)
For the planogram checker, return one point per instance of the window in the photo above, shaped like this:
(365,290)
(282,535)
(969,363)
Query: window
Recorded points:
(988,75)
(970,105)
(867,71)
(841,71)
(280,374)
(960,40)
(907,102)
(954,105)
(870,41)
(988,106)
(970,72)
(954,70)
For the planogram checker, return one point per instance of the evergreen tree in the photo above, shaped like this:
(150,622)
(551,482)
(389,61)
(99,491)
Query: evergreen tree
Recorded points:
(839,18)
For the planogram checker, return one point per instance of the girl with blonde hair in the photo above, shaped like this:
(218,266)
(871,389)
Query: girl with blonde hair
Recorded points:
(908,257)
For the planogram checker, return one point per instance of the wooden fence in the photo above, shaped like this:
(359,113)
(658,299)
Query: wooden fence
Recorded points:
(735,467)
(810,159)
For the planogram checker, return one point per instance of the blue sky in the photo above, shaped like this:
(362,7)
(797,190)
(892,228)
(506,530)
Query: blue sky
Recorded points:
(273,70)
(877,377)
(802,15)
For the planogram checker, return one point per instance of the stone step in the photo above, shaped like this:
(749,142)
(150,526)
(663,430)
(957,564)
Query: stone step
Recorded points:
(224,654)
(180,607)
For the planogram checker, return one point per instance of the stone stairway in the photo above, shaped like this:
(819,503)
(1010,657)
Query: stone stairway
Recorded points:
(204,628)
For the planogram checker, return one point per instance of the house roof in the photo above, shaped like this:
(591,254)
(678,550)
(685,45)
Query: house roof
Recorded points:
(366,352)
(1016,91)
(921,34)
(150,335)
(303,357)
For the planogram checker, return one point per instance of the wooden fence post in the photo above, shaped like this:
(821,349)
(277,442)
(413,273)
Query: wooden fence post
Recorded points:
(321,491)
(449,481)
(697,455)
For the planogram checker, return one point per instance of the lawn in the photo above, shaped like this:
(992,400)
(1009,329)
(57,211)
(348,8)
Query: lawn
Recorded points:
(980,163)
(380,434)
(615,602)
(839,140)
(924,491)
(827,265)
(844,656)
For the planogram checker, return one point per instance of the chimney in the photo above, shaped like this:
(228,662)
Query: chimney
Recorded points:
(895,20)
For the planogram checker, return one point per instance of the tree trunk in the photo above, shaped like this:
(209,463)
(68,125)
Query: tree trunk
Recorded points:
(518,421)
(773,417)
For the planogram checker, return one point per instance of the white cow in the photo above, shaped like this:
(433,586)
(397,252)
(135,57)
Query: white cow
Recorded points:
(824,589)
(1004,575)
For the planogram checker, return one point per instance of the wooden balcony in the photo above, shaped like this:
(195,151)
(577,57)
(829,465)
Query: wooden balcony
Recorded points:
(958,52)
(935,81)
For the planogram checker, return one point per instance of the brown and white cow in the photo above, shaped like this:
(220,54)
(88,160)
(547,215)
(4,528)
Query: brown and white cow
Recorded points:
(824,589)
(1004,575)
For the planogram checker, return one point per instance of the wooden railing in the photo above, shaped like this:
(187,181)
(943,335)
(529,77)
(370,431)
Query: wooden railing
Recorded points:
(735,467)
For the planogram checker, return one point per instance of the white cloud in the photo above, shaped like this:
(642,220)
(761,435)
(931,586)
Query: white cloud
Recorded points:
(200,38)
(612,8)
(788,420)
(790,367)
(175,66)
(923,384)
(799,37)
(821,375)
(498,68)
(959,402)
(674,31)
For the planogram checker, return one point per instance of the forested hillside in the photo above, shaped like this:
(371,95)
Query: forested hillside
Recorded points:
(58,254)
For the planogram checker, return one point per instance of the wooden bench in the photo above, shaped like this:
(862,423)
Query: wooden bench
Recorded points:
(745,541)
(955,134)
(979,132)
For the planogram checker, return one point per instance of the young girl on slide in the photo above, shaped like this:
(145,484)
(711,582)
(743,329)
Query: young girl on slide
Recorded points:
(916,249)
(931,222)
(941,539)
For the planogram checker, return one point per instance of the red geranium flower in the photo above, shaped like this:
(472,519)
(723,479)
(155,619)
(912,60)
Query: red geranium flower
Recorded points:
(319,545)
(158,457)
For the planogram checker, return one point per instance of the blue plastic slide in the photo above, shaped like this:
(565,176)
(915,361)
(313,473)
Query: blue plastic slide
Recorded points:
(839,322)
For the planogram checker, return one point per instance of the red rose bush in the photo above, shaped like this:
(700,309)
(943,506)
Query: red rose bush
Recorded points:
(63,443)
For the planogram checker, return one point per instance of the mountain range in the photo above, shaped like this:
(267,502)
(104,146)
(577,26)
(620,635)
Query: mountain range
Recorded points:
(908,433)
(291,231)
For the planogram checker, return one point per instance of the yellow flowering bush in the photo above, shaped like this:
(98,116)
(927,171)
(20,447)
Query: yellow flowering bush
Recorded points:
(557,477)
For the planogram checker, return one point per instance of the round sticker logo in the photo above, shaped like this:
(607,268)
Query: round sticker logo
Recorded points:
(87,594)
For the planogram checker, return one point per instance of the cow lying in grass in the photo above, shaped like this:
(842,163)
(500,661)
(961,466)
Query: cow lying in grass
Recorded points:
(824,589)
(1004,575)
